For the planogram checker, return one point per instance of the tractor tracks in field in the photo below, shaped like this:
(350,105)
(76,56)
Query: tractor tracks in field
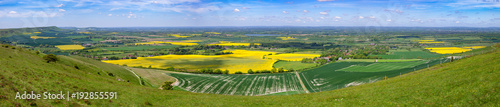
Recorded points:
(301,83)
(140,82)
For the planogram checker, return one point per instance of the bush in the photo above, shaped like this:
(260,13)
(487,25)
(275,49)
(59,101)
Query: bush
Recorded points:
(167,86)
(111,74)
(238,72)
(50,58)
(171,68)
(250,71)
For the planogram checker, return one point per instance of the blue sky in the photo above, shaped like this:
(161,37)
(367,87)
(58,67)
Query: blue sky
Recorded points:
(167,13)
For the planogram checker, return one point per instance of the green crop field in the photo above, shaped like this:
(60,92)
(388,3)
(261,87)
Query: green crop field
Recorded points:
(414,54)
(328,77)
(380,66)
(380,60)
(295,65)
(252,85)
(324,78)
(145,47)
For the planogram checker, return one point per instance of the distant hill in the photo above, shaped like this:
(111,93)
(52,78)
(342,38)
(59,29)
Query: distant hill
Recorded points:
(14,31)
(471,81)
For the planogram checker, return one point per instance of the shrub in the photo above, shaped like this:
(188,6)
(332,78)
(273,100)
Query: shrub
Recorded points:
(171,68)
(238,72)
(111,74)
(167,86)
(250,71)
(50,58)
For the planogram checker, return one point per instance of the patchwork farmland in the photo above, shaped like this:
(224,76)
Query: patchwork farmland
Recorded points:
(328,77)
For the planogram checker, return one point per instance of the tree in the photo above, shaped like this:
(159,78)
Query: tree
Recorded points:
(50,58)
(114,58)
(167,86)
(225,72)
(250,71)
(171,68)
(291,70)
(281,70)
(218,71)
(274,70)
(238,72)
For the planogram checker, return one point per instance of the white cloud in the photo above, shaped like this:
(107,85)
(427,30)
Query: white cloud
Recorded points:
(457,21)
(305,11)
(323,13)
(475,4)
(174,1)
(60,5)
(394,11)
(322,17)
(417,20)
(389,20)
(110,14)
(338,17)
(325,0)
(361,17)
(236,10)
(245,8)
(30,14)
(286,12)
(372,17)
(191,8)
(62,10)
(240,18)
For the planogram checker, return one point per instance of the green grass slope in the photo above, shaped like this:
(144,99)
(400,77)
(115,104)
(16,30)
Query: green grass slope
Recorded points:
(468,82)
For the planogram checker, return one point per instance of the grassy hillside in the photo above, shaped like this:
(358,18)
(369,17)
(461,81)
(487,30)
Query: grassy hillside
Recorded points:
(471,81)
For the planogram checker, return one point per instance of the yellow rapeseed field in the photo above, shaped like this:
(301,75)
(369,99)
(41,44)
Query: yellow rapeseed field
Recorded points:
(240,60)
(292,57)
(40,37)
(212,33)
(474,47)
(70,47)
(191,41)
(428,41)
(195,34)
(173,43)
(179,36)
(287,38)
(452,50)
(86,32)
(228,43)
(37,32)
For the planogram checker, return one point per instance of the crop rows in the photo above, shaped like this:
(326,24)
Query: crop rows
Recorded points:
(380,67)
(328,77)
(250,85)
(324,78)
